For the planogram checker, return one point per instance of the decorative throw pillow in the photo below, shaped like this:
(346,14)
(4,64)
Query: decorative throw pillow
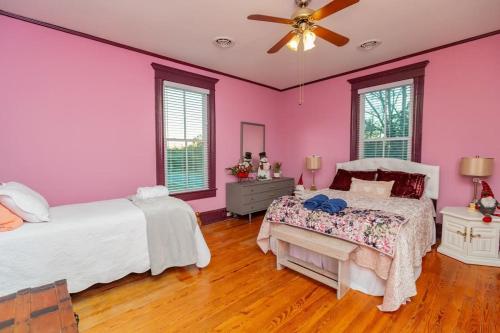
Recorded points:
(8,220)
(371,188)
(24,202)
(342,180)
(406,185)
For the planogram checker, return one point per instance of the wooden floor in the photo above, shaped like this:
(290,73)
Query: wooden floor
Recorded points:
(241,291)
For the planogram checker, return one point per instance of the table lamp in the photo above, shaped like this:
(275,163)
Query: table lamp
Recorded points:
(313,163)
(476,167)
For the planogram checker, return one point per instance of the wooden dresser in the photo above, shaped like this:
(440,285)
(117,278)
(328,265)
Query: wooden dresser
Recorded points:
(248,197)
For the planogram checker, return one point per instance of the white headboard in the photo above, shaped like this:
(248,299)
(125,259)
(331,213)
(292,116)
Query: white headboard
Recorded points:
(431,171)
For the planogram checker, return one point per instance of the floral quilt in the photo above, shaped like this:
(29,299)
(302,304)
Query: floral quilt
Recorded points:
(375,229)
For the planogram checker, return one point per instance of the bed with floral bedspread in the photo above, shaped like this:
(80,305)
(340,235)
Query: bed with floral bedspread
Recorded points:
(394,235)
(369,227)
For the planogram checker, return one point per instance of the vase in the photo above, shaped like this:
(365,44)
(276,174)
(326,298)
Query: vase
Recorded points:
(242,175)
(277,175)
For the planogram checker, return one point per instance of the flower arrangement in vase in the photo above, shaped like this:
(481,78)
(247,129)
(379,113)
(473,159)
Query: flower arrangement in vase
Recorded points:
(241,170)
(277,170)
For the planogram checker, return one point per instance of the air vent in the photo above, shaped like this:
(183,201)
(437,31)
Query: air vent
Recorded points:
(223,42)
(370,44)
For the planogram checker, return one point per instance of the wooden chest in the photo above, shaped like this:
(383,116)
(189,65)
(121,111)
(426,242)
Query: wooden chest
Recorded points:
(44,309)
(252,196)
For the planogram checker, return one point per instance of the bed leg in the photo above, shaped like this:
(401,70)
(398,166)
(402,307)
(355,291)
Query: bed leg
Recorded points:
(343,278)
(281,251)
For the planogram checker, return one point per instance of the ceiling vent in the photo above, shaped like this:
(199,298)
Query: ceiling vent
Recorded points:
(370,44)
(223,42)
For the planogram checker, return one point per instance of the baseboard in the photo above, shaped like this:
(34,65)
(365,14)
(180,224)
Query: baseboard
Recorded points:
(213,216)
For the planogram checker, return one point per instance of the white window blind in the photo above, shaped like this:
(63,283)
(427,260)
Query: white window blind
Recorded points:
(185,128)
(385,124)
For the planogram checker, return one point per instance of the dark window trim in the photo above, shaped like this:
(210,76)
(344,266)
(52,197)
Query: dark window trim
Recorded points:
(414,71)
(165,73)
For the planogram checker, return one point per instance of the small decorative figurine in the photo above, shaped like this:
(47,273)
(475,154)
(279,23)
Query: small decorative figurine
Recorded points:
(277,170)
(300,185)
(247,157)
(487,204)
(264,171)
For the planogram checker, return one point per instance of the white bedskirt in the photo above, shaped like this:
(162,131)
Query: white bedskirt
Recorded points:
(85,244)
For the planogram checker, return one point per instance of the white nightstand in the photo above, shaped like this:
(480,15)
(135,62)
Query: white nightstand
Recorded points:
(467,238)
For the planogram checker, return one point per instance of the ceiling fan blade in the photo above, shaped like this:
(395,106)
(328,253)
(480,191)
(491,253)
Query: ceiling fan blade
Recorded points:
(331,8)
(273,19)
(282,42)
(331,36)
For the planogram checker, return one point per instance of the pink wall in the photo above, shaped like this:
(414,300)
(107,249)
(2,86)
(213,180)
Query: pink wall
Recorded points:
(77,116)
(461,114)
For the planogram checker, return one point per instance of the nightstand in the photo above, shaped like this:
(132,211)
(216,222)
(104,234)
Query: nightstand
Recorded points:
(468,239)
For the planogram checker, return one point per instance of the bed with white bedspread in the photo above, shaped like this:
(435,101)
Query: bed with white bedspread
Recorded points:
(89,243)
(373,272)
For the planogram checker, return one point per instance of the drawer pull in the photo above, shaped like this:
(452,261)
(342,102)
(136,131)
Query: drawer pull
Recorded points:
(464,234)
(474,236)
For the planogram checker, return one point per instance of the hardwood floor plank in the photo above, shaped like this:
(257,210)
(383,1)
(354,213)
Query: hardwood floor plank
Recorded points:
(241,291)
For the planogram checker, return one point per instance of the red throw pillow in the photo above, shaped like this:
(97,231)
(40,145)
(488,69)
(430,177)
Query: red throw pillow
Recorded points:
(343,178)
(406,185)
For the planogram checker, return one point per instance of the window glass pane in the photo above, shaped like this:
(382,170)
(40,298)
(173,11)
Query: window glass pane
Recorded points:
(194,116)
(186,144)
(374,115)
(197,164)
(398,112)
(387,116)
(373,149)
(174,117)
(176,166)
(396,149)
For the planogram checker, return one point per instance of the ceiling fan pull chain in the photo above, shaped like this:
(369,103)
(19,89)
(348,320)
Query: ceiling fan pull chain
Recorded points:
(301,74)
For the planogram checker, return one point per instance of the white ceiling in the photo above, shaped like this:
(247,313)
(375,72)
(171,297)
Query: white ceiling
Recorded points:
(184,30)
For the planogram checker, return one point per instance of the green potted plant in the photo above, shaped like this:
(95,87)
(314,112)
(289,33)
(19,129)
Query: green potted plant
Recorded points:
(277,169)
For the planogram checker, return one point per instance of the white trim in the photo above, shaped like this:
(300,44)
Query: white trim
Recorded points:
(386,86)
(185,87)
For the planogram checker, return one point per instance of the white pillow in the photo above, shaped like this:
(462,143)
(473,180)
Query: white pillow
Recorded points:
(371,188)
(24,202)
(28,190)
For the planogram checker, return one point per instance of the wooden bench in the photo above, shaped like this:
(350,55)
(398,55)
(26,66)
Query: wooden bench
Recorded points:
(322,244)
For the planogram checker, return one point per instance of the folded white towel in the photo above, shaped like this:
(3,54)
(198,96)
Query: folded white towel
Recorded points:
(152,192)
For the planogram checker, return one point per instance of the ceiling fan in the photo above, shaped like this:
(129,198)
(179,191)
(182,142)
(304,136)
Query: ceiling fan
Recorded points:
(304,25)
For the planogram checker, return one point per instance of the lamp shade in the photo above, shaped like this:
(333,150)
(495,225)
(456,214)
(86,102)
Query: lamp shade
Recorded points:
(313,162)
(476,166)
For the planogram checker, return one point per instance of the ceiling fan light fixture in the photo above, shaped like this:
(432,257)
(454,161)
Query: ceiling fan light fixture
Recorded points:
(293,44)
(308,39)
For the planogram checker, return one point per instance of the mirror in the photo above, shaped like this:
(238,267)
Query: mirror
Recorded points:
(253,140)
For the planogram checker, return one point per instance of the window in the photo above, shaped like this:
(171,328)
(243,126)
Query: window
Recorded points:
(386,119)
(185,131)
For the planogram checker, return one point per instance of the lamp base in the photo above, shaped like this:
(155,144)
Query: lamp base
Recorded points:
(313,188)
